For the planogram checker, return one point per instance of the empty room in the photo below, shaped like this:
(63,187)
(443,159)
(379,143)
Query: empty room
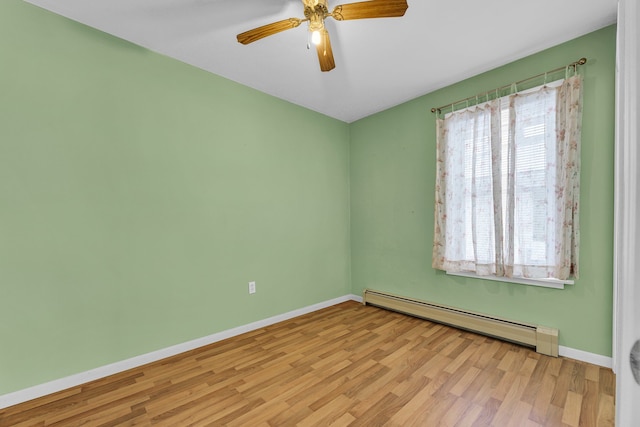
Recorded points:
(280,213)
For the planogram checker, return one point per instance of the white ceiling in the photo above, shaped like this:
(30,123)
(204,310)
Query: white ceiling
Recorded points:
(380,63)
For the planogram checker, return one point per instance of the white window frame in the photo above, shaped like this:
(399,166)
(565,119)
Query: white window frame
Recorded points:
(544,283)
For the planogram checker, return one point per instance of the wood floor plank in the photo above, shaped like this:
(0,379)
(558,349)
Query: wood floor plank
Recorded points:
(456,412)
(479,389)
(346,365)
(510,401)
(573,406)
(487,355)
(606,411)
(592,372)
(469,375)
(439,410)
(543,399)
(535,380)
(421,402)
(589,409)
(343,421)
(329,412)
(562,384)
(470,417)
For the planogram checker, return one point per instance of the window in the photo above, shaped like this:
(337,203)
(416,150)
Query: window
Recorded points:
(507,185)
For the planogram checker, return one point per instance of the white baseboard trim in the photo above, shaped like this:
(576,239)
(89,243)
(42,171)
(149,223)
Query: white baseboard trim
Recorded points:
(54,386)
(585,356)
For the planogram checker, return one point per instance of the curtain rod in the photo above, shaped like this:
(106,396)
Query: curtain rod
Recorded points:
(575,64)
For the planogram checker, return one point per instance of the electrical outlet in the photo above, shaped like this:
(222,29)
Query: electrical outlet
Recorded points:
(252,287)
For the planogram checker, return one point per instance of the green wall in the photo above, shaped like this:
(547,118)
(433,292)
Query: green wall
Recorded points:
(392,200)
(140,195)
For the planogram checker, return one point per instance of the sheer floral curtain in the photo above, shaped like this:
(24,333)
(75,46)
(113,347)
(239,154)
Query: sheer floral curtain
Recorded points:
(507,185)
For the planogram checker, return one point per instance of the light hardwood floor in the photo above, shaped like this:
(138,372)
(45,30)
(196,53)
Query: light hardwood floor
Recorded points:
(347,365)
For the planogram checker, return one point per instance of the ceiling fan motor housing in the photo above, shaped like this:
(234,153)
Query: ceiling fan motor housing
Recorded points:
(315,11)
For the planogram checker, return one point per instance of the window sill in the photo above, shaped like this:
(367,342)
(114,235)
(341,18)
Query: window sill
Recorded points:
(545,283)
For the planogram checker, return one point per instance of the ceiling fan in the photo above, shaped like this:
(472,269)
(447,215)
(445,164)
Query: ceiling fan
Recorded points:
(316,11)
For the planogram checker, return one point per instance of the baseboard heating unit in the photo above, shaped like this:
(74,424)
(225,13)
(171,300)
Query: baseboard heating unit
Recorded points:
(543,339)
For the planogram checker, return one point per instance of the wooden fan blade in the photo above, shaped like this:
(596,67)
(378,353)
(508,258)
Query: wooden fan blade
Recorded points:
(268,30)
(325,54)
(370,9)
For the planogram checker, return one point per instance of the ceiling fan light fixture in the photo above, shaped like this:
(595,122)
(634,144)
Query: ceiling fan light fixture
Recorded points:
(316,23)
(315,37)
